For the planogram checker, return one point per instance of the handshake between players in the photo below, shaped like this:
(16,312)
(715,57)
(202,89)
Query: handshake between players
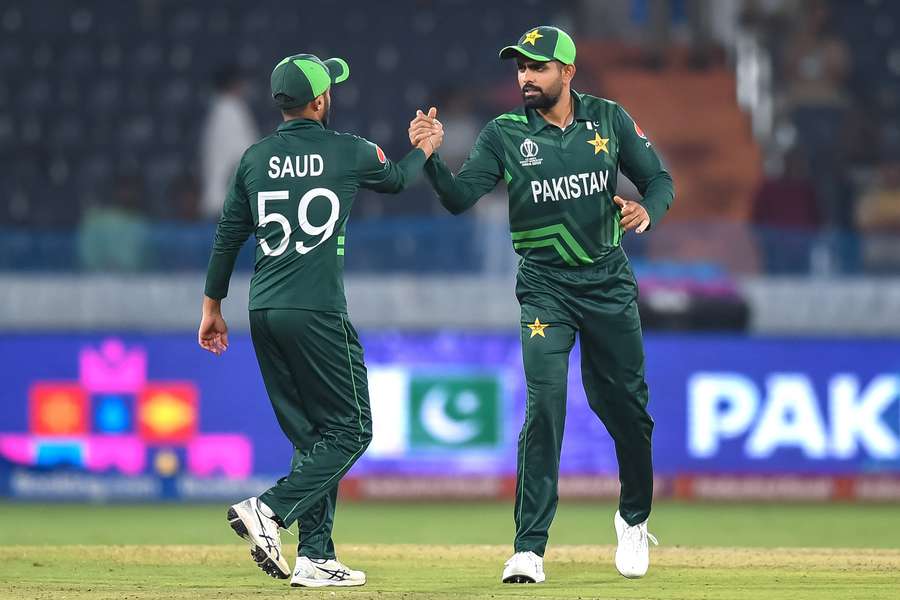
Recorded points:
(426,127)
(559,154)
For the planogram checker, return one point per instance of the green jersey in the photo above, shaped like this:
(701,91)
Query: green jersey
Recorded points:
(294,189)
(560,182)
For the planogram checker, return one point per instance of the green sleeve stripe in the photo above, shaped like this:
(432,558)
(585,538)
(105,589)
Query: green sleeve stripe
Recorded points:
(340,251)
(340,240)
(611,230)
(512,117)
(507,176)
(560,230)
(548,242)
(615,227)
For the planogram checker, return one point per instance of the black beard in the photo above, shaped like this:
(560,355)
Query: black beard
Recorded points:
(540,101)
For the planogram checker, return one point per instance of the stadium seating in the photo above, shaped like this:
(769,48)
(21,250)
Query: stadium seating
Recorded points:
(97,93)
(96,90)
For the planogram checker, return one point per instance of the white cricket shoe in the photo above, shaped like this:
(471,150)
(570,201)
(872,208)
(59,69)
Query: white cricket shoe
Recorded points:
(633,552)
(322,572)
(248,520)
(524,567)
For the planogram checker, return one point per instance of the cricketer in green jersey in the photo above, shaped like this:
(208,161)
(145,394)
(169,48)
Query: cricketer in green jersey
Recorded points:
(560,155)
(294,190)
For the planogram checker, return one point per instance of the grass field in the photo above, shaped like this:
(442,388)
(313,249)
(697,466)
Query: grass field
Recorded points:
(417,551)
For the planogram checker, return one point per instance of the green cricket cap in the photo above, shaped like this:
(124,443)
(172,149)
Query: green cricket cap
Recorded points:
(300,78)
(544,44)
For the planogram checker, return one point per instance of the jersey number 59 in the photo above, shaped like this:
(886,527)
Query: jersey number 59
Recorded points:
(326,229)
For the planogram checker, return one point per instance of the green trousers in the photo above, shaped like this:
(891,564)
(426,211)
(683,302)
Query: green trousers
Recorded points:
(599,302)
(312,366)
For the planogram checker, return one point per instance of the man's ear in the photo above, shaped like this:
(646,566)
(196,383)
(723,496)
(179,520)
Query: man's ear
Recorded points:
(568,73)
(317,103)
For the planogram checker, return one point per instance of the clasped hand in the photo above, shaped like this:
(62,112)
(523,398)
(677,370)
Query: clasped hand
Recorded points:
(426,132)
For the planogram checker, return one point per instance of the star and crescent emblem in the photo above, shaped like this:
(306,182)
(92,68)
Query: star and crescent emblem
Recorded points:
(599,143)
(531,37)
(537,328)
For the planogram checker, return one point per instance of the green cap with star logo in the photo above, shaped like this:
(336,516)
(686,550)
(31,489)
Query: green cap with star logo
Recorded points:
(300,78)
(544,44)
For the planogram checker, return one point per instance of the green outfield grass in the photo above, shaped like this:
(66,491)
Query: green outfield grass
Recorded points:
(417,551)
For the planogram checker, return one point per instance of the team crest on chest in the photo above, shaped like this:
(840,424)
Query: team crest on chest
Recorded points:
(599,143)
(529,150)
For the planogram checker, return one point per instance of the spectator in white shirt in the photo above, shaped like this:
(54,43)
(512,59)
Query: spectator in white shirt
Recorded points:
(228,131)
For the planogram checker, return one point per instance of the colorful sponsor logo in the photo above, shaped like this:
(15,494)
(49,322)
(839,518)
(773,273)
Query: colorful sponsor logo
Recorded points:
(113,369)
(167,412)
(114,420)
(113,413)
(58,409)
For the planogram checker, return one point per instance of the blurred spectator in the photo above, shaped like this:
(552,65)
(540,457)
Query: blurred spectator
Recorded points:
(878,215)
(462,125)
(184,198)
(662,15)
(113,237)
(879,208)
(772,21)
(769,15)
(462,120)
(228,131)
(786,213)
(817,62)
(816,66)
(787,199)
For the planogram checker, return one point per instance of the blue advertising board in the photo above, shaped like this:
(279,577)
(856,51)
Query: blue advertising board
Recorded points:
(155,408)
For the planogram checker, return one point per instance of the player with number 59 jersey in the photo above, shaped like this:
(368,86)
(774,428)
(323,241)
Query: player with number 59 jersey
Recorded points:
(294,190)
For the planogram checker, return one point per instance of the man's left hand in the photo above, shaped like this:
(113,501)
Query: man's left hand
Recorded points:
(424,127)
(634,215)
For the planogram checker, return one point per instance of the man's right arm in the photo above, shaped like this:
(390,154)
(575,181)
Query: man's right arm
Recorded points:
(478,175)
(377,172)
(235,226)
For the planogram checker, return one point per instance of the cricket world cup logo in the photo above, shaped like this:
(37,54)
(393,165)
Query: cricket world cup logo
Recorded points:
(529,150)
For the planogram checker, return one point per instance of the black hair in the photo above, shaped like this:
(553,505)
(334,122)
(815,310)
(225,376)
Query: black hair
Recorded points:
(294,112)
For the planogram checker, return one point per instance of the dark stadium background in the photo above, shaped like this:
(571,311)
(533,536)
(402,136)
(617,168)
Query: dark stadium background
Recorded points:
(770,294)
